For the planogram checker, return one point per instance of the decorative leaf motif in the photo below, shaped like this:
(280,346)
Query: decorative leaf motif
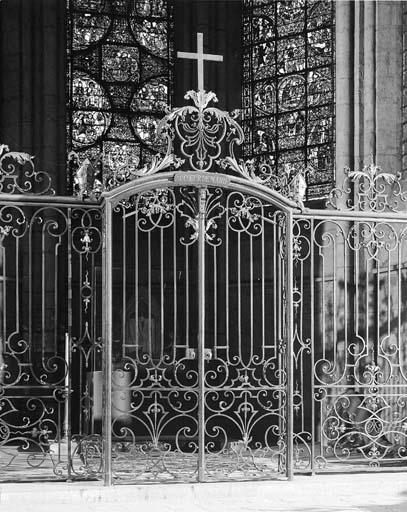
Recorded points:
(373,190)
(18,174)
(20,158)
(202,130)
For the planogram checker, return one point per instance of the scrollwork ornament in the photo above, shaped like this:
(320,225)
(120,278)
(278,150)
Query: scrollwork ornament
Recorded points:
(370,189)
(246,214)
(18,174)
(155,209)
(202,130)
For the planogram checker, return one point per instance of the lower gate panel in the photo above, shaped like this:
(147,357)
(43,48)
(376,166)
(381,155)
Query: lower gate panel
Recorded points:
(182,411)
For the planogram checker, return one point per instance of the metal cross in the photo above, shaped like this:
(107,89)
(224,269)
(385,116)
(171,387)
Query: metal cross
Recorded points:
(200,56)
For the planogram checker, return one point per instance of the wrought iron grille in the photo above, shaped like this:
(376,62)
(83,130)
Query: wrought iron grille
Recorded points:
(289,87)
(119,84)
(349,300)
(50,327)
(244,336)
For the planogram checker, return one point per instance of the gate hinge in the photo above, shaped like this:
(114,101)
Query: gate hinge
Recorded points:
(190,353)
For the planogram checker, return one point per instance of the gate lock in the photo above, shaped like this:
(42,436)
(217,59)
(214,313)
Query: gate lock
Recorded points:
(190,353)
(207,354)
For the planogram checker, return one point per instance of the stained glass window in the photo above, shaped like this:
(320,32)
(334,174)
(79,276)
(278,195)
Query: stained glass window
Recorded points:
(120,62)
(288,87)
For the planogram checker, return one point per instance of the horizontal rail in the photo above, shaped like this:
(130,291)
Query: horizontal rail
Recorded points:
(32,200)
(350,216)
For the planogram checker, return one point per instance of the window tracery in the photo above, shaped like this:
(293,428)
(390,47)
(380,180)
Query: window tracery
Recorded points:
(288,87)
(120,61)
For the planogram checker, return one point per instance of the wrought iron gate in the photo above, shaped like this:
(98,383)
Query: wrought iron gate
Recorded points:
(196,312)
(244,336)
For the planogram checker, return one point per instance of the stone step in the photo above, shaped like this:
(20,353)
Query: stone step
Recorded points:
(386,492)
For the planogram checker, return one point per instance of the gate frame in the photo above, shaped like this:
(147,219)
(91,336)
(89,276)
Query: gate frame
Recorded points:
(200,180)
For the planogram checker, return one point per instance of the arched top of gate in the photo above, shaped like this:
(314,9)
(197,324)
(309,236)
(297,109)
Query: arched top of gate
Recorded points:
(202,140)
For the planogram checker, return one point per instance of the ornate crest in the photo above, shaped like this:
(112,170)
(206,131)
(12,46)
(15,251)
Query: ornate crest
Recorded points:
(207,138)
(199,138)
(202,130)
(370,189)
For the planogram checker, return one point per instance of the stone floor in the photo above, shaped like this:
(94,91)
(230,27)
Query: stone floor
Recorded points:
(377,492)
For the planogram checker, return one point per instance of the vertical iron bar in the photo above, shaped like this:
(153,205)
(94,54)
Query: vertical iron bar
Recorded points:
(30,288)
(4,294)
(239,298)
(68,348)
(279,318)
(95,323)
(17,292)
(136,275)
(227,288)
(161,295)
(201,332)
(67,432)
(43,291)
(149,285)
(215,303)
(79,312)
(107,318)
(251,300)
(124,341)
(263,306)
(186,296)
(56,290)
(174,276)
(290,380)
(312,336)
(274,284)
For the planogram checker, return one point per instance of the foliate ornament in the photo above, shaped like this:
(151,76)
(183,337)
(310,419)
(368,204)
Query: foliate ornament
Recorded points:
(247,169)
(292,182)
(202,130)
(4,231)
(86,240)
(155,202)
(18,174)
(246,209)
(370,189)
(159,162)
(188,209)
(246,214)
(86,292)
(85,182)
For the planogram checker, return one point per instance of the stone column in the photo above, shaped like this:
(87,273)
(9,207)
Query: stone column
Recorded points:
(32,85)
(344,12)
(389,58)
(368,84)
(367,72)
